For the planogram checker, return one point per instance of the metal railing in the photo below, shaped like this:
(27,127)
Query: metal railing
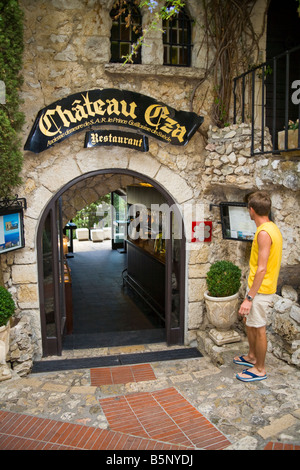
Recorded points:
(268,97)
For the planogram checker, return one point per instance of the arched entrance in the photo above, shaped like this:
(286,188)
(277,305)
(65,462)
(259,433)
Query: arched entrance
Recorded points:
(51,262)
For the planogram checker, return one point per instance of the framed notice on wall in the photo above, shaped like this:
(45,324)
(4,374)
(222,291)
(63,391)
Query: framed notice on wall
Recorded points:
(236,221)
(11,229)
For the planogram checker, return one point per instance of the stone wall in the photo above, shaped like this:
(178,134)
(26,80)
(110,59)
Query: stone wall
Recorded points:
(284,326)
(67,50)
(232,172)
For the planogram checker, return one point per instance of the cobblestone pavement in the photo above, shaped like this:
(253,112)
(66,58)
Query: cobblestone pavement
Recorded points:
(250,415)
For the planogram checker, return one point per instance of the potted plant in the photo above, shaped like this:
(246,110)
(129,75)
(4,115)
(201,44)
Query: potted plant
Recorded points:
(223,283)
(7,309)
(292,138)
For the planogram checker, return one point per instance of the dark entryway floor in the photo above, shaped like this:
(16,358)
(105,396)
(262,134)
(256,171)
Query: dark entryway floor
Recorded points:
(104,312)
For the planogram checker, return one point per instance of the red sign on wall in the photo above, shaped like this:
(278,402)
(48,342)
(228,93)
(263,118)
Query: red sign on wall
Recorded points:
(201,231)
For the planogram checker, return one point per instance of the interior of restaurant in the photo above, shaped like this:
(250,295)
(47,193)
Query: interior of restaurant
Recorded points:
(114,263)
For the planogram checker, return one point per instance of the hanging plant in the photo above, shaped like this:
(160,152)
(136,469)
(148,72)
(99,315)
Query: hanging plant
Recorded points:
(11,119)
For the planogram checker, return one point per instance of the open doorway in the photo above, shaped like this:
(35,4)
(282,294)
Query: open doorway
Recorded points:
(106,310)
(118,290)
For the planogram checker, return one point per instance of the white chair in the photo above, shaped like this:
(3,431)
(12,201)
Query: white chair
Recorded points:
(97,235)
(107,233)
(82,233)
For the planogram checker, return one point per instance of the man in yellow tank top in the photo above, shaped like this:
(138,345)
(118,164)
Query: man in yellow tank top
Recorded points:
(265,260)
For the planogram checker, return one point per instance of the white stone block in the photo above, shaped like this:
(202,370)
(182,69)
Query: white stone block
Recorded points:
(97,235)
(107,233)
(82,233)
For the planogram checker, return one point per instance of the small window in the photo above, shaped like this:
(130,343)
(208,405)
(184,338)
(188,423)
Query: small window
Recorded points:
(177,40)
(125,31)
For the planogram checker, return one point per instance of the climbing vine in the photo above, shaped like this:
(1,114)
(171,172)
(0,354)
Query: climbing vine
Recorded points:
(11,119)
(229,32)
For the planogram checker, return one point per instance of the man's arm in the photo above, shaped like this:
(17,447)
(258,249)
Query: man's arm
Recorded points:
(264,246)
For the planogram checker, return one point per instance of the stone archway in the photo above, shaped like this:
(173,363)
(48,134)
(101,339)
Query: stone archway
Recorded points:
(91,189)
(76,194)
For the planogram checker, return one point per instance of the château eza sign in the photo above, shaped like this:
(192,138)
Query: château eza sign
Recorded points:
(110,107)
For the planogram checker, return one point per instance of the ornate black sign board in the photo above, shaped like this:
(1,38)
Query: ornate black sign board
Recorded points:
(114,137)
(80,111)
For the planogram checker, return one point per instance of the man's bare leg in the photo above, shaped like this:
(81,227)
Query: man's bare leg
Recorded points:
(260,351)
(252,338)
(251,335)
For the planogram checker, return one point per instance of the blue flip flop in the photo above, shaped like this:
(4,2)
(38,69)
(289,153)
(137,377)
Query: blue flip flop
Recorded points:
(252,377)
(242,362)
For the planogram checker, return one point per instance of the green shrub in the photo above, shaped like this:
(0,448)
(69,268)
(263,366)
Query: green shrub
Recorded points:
(223,279)
(7,306)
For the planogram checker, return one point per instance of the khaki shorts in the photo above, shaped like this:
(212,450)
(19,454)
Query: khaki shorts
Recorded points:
(259,310)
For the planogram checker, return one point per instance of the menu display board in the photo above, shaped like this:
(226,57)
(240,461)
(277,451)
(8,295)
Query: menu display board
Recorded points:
(236,221)
(11,230)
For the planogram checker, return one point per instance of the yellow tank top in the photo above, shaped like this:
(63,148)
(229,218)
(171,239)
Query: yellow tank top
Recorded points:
(269,284)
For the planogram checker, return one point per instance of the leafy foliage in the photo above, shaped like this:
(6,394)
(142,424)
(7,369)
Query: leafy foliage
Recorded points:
(7,306)
(87,217)
(11,119)
(294,125)
(223,279)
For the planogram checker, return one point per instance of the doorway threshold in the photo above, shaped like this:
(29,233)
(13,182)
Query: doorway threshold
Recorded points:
(117,360)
